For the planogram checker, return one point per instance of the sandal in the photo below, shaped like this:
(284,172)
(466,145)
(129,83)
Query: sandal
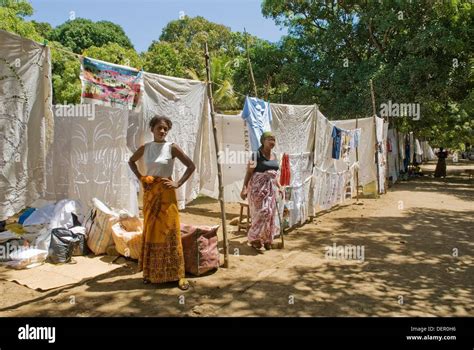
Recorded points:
(146,281)
(183,284)
(267,246)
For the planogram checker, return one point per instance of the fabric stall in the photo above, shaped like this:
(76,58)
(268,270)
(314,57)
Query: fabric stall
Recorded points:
(333,179)
(26,121)
(367,166)
(87,155)
(294,128)
(110,135)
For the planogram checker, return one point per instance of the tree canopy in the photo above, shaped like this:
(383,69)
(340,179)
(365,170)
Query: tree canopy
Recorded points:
(80,34)
(417,52)
(414,51)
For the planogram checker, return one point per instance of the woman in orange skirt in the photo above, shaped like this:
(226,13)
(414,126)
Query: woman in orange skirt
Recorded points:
(161,259)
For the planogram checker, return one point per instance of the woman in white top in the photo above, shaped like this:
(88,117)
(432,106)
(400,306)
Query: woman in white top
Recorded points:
(161,259)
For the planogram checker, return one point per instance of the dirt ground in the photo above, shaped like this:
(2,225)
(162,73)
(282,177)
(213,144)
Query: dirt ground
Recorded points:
(418,261)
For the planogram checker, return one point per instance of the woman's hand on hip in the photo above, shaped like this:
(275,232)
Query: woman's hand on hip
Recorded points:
(170,183)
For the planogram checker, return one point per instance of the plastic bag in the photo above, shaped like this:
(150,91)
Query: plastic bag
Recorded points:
(131,224)
(62,215)
(81,248)
(128,243)
(40,216)
(27,258)
(25,215)
(43,241)
(63,243)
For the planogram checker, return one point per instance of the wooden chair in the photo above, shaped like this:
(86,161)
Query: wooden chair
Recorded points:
(241,223)
(348,192)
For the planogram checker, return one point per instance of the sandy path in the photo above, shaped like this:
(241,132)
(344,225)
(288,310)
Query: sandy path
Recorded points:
(410,237)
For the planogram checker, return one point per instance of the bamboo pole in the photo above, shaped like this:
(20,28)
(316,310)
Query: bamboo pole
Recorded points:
(219,168)
(250,63)
(374,111)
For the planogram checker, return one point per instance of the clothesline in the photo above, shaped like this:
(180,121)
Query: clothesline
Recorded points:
(305,181)
(232,89)
(293,154)
(344,130)
(66,51)
(243,95)
(78,56)
(81,56)
(333,124)
(298,154)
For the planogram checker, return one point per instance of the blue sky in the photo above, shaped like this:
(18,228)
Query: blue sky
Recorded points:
(143,20)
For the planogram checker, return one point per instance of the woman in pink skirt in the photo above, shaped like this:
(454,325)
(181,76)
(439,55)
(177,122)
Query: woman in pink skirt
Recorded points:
(261,186)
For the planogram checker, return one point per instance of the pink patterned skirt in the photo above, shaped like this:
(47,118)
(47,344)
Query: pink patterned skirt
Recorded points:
(262,203)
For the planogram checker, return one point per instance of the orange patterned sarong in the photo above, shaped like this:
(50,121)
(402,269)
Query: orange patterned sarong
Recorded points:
(162,258)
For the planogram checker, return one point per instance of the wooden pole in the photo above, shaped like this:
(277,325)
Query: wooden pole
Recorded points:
(374,108)
(357,160)
(314,150)
(250,63)
(374,111)
(219,168)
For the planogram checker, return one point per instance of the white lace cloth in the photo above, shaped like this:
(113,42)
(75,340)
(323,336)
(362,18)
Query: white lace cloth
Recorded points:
(26,121)
(234,156)
(185,102)
(89,158)
(294,128)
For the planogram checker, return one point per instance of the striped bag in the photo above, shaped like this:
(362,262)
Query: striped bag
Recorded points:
(99,227)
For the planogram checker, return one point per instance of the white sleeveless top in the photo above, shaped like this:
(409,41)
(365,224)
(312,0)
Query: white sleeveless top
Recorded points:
(158,159)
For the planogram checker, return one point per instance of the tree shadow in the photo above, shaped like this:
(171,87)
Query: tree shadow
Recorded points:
(458,186)
(419,263)
(207,213)
(242,248)
(203,200)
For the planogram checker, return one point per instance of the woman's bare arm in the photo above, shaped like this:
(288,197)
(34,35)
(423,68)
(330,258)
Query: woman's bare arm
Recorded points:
(177,152)
(134,158)
(248,175)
